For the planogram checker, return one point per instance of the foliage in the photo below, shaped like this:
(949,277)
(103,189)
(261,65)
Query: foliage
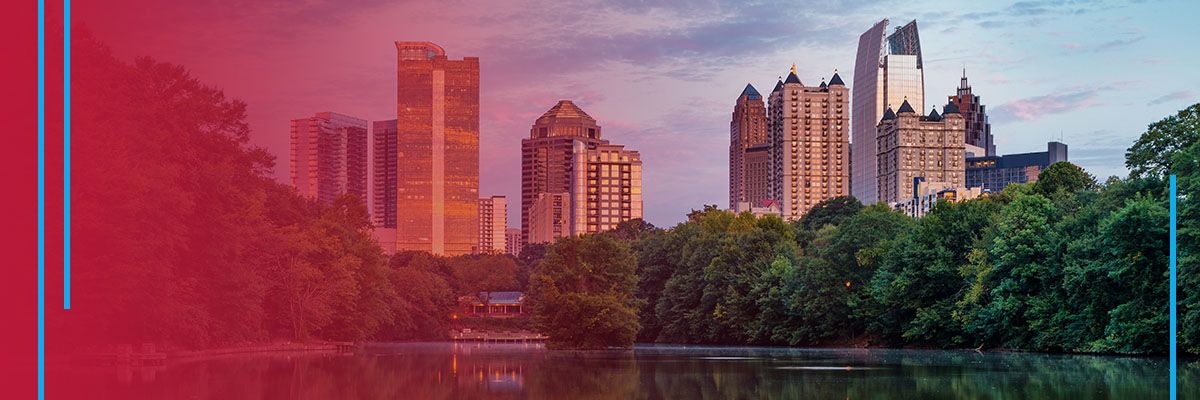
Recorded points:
(582,293)
(1152,155)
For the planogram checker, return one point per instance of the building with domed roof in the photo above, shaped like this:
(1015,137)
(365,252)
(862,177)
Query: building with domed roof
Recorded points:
(572,181)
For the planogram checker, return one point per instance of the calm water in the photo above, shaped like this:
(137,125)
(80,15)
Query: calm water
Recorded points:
(470,371)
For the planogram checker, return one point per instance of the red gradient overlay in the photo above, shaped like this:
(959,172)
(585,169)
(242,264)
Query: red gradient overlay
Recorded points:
(18,288)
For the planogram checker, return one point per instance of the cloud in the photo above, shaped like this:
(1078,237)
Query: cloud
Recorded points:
(1032,108)
(1182,95)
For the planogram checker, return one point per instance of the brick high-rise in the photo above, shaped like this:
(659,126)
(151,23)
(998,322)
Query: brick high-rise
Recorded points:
(572,181)
(437,130)
(809,131)
(329,156)
(978,129)
(747,129)
(915,146)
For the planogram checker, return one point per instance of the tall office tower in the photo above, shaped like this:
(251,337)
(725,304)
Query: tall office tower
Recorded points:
(808,128)
(979,131)
(887,71)
(748,128)
(572,181)
(437,147)
(493,220)
(512,241)
(329,156)
(384,163)
(915,146)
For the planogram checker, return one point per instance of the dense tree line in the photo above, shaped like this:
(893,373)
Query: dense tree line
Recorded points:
(1065,264)
(182,238)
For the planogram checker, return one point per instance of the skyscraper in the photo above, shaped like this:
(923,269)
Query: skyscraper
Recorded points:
(572,181)
(914,146)
(384,164)
(329,156)
(493,220)
(979,130)
(808,129)
(748,128)
(437,146)
(887,71)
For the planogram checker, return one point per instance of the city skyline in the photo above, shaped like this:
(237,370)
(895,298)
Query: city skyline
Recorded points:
(1098,109)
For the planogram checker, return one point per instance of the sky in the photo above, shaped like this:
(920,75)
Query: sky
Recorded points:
(662,78)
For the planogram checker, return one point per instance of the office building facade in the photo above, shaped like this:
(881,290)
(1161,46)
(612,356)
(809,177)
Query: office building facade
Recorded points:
(572,181)
(747,129)
(329,156)
(437,146)
(993,173)
(888,70)
(384,161)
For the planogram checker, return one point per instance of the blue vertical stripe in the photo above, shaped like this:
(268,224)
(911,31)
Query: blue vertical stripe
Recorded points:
(41,199)
(66,154)
(1174,267)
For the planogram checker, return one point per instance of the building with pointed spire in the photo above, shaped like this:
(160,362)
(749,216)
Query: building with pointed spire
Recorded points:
(888,69)
(808,128)
(747,150)
(913,146)
(979,131)
(572,181)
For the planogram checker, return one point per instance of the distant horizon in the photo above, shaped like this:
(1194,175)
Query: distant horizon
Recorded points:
(663,79)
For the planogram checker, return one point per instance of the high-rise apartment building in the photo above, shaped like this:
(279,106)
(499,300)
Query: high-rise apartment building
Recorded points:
(747,129)
(384,163)
(572,181)
(329,156)
(887,70)
(993,173)
(808,130)
(911,146)
(512,237)
(437,147)
(979,130)
(493,221)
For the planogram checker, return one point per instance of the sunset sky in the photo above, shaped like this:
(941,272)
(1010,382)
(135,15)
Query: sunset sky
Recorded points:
(663,78)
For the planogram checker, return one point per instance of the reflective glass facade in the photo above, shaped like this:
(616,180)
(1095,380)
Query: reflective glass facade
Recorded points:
(887,71)
(437,125)
(329,156)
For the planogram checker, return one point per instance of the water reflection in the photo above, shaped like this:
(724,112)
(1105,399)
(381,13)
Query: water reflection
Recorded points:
(520,371)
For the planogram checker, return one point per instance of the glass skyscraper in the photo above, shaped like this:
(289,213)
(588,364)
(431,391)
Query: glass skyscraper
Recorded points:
(887,71)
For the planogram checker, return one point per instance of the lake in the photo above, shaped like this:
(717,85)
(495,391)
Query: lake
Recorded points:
(529,371)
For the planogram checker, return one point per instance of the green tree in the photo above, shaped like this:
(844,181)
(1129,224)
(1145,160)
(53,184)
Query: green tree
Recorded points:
(1065,177)
(1152,155)
(582,294)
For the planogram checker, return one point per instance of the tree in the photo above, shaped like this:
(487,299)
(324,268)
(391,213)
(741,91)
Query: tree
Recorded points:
(1065,177)
(582,294)
(829,211)
(1152,154)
